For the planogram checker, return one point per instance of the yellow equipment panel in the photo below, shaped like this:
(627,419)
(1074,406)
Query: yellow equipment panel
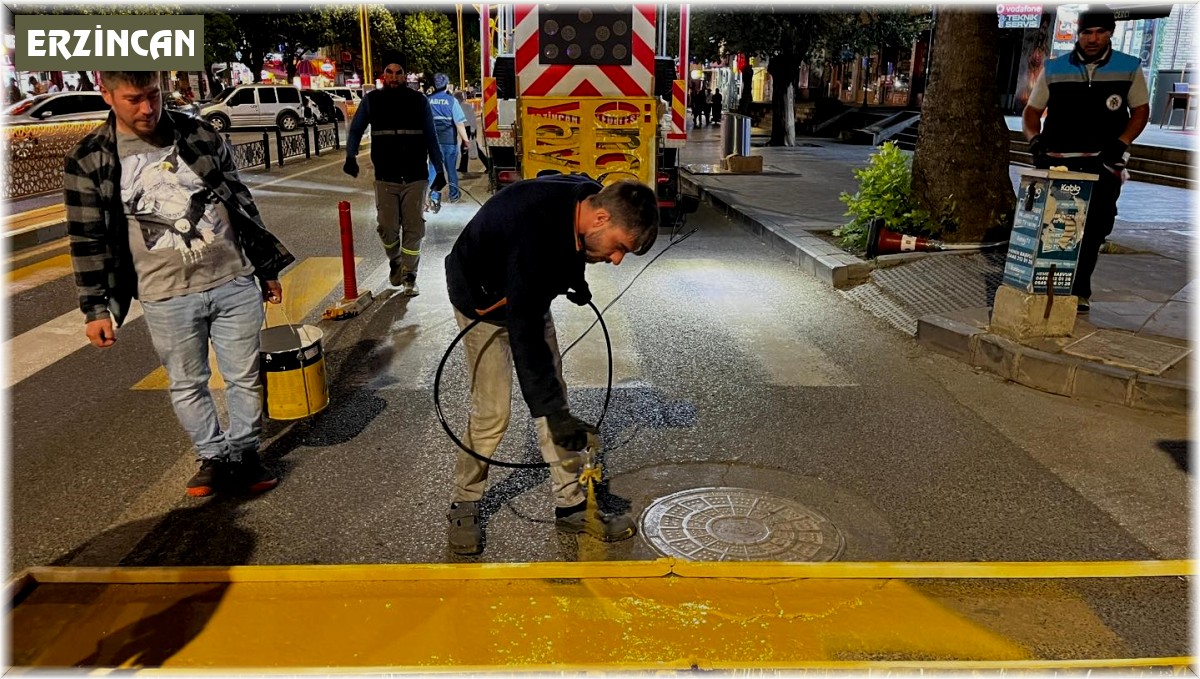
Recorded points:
(607,139)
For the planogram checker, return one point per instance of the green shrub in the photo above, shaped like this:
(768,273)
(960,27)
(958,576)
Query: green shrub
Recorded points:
(884,190)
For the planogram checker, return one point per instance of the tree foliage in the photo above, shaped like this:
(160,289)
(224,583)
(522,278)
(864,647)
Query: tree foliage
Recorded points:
(788,35)
(429,43)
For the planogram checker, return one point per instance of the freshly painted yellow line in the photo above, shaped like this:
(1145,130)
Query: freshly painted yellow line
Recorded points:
(938,569)
(28,277)
(559,617)
(304,286)
(619,569)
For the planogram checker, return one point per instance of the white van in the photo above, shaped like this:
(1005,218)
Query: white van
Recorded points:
(255,106)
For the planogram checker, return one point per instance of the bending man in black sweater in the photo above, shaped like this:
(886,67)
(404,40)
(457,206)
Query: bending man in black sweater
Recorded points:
(527,245)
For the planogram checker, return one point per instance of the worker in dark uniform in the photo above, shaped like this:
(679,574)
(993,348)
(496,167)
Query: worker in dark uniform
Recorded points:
(1096,103)
(403,142)
(527,245)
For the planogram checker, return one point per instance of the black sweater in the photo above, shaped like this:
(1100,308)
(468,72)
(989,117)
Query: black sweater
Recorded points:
(520,246)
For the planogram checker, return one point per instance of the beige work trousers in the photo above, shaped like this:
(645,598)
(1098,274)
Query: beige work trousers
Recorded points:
(489,358)
(401,224)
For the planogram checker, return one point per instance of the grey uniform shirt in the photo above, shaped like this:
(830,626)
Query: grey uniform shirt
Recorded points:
(179,232)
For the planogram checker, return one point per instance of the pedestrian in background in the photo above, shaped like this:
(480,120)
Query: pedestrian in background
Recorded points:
(449,122)
(14,93)
(1096,104)
(706,104)
(464,152)
(403,143)
(717,100)
(156,210)
(525,246)
(699,107)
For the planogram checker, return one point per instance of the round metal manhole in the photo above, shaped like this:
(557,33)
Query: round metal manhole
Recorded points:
(738,524)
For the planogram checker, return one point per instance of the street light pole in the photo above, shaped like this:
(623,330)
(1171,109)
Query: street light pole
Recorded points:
(364,20)
(462,68)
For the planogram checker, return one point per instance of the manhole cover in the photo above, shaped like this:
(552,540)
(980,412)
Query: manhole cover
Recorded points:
(738,524)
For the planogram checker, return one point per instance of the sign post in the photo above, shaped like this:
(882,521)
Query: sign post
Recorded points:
(1035,298)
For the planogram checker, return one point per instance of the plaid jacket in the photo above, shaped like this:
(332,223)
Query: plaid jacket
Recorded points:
(99,231)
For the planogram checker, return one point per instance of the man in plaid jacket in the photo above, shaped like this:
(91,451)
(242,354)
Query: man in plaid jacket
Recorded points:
(156,210)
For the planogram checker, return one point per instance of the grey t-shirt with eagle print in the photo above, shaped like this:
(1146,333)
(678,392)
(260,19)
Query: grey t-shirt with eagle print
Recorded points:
(179,232)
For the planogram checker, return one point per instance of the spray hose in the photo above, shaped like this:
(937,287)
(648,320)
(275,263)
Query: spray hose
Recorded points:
(587,454)
(591,471)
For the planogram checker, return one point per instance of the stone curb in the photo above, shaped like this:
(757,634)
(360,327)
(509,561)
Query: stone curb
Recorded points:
(826,262)
(35,237)
(1052,373)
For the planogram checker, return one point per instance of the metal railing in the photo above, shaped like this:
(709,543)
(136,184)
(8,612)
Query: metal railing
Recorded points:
(33,163)
(251,153)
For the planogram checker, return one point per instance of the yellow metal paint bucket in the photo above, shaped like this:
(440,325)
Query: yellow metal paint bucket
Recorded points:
(293,368)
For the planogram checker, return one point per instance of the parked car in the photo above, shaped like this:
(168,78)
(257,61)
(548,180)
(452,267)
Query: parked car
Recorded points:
(349,94)
(255,105)
(175,101)
(57,107)
(324,107)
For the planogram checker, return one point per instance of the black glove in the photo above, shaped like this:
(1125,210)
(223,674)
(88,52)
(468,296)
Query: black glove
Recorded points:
(1113,155)
(580,294)
(439,181)
(351,167)
(1037,149)
(568,431)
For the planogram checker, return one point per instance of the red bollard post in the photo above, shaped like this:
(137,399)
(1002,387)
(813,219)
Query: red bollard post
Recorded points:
(349,280)
(352,303)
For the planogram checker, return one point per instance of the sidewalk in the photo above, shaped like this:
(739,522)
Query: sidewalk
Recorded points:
(1137,332)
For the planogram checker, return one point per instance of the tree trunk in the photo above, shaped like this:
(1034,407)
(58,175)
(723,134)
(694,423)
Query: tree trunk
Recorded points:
(962,148)
(783,69)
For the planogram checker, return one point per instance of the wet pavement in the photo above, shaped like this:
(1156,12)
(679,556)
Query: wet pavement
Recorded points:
(734,369)
(1142,284)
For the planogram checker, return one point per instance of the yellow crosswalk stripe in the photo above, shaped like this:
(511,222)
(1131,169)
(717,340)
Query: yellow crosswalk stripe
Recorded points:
(32,219)
(29,277)
(304,287)
(587,364)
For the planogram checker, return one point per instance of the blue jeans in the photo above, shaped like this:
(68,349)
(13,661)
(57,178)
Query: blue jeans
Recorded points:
(450,156)
(231,315)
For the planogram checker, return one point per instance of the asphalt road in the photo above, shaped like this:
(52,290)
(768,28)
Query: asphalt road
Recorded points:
(733,369)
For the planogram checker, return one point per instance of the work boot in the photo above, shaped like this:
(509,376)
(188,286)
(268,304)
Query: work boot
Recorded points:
(1084,306)
(408,286)
(396,277)
(212,473)
(465,536)
(250,475)
(610,527)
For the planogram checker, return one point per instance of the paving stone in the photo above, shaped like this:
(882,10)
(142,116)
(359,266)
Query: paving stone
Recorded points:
(1046,372)
(997,355)
(1157,393)
(947,335)
(1105,383)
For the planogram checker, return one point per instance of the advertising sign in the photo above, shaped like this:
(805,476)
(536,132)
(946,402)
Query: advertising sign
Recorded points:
(607,139)
(1019,16)
(1047,230)
(1065,27)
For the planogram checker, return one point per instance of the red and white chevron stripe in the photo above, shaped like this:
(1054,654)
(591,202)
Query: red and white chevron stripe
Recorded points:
(535,79)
